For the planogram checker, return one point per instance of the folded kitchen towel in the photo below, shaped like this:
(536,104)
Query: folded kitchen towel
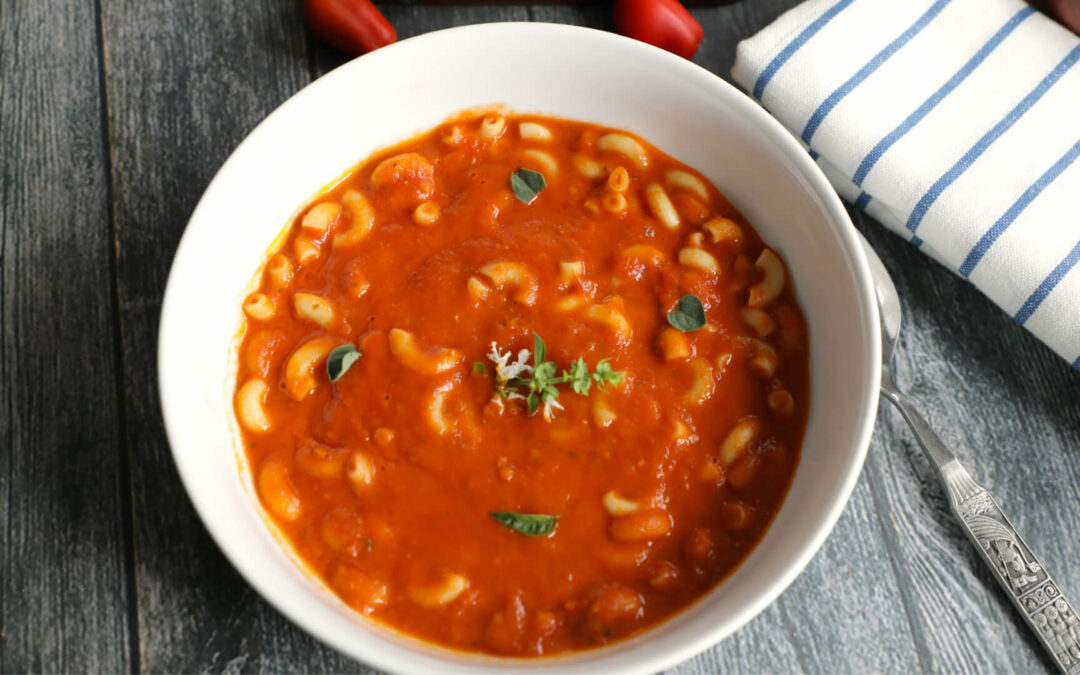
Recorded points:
(956,123)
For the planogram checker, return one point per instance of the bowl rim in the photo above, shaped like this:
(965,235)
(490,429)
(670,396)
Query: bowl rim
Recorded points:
(800,162)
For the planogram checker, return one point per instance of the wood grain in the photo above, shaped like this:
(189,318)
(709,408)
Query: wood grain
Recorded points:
(105,566)
(63,594)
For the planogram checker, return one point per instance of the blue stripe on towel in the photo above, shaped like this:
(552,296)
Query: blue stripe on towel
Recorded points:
(863,201)
(813,154)
(1076,363)
(787,52)
(929,104)
(931,195)
(987,240)
(873,64)
(1048,284)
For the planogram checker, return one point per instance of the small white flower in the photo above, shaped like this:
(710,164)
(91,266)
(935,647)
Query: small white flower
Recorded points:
(550,406)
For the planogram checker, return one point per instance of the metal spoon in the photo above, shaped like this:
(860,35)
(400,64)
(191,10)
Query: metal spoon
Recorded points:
(1016,568)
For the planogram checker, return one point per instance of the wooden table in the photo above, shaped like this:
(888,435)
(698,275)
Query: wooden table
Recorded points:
(115,114)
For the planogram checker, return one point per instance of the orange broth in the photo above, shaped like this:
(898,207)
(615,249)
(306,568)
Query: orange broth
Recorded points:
(383,481)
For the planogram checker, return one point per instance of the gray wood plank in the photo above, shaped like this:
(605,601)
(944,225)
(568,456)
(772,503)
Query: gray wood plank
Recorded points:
(185,83)
(63,596)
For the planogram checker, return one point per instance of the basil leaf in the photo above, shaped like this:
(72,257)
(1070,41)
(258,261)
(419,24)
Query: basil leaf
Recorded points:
(479,368)
(529,524)
(539,350)
(689,316)
(527,184)
(340,360)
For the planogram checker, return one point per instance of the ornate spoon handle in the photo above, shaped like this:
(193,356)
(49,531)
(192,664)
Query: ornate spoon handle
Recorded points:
(1015,567)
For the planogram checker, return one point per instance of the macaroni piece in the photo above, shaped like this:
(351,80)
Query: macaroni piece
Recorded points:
(617,505)
(661,206)
(279,271)
(625,145)
(259,306)
(363,219)
(723,229)
(590,168)
(542,160)
(404,346)
(688,181)
(321,216)
(772,282)
(300,368)
(249,406)
(314,308)
(699,259)
(532,131)
(515,276)
(492,126)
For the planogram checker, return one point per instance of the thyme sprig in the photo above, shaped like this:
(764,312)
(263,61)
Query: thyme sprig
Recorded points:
(537,384)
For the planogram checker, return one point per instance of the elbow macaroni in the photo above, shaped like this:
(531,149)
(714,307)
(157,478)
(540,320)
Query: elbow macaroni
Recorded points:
(259,307)
(701,387)
(699,259)
(277,490)
(363,219)
(442,592)
(250,405)
(661,207)
(515,276)
(492,126)
(360,471)
(617,505)
(760,320)
(544,160)
(688,181)
(314,308)
(772,283)
(610,314)
(723,230)
(406,349)
(321,217)
(426,214)
(624,145)
(279,271)
(738,440)
(300,368)
(590,168)
(532,131)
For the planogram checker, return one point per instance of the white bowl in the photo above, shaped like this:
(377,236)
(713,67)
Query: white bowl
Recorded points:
(564,71)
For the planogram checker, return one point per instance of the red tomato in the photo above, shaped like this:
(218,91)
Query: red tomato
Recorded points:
(353,26)
(1067,12)
(663,23)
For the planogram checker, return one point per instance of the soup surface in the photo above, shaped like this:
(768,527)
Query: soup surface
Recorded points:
(444,477)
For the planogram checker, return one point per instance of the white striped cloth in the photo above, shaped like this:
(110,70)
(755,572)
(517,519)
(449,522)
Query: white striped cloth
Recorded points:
(956,123)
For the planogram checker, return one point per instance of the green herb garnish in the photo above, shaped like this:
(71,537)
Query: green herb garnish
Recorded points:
(479,368)
(689,315)
(340,360)
(527,184)
(537,384)
(529,524)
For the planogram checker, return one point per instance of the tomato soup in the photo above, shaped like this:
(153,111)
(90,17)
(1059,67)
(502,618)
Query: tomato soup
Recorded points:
(522,385)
